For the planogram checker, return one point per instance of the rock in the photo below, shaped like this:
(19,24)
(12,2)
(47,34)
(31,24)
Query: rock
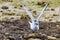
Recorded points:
(50,19)
(34,39)
(57,35)
(6,33)
(7,0)
(1,11)
(35,36)
(10,38)
(51,38)
(4,7)
(52,9)
(57,26)
(55,14)
(20,5)
(34,11)
(41,3)
(29,36)
(1,26)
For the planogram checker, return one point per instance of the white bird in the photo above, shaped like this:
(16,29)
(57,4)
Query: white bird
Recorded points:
(34,25)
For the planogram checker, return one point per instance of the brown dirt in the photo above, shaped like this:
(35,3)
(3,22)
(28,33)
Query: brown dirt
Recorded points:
(20,30)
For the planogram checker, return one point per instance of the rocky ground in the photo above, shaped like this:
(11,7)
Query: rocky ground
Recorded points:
(20,30)
(14,20)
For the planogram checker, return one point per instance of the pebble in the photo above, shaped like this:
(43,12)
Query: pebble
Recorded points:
(55,14)
(51,38)
(57,25)
(34,39)
(5,7)
(6,33)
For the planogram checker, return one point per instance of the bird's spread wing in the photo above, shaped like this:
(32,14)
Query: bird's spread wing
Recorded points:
(42,12)
(29,13)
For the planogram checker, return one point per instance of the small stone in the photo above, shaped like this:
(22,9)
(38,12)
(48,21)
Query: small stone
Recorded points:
(10,38)
(4,7)
(29,36)
(46,17)
(52,9)
(9,10)
(50,19)
(57,25)
(20,5)
(6,33)
(57,35)
(15,7)
(34,39)
(55,15)
(51,38)
(1,11)
(34,11)
(41,3)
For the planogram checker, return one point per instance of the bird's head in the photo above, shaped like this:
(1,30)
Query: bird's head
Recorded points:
(34,26)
